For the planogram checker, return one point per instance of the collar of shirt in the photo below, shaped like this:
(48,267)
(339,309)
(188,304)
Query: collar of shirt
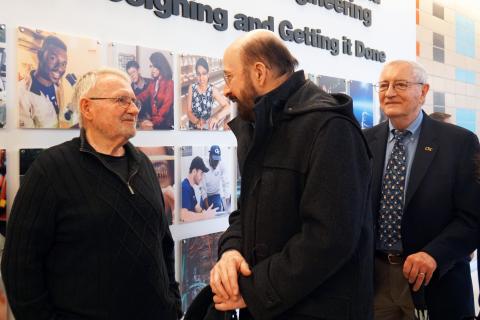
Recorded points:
(413,128)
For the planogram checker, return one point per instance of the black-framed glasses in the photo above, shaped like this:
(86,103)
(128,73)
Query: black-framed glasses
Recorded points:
(396,85)
(122,101)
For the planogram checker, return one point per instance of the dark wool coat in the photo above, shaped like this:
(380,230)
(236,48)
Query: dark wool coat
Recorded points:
(81,245)
(304,223)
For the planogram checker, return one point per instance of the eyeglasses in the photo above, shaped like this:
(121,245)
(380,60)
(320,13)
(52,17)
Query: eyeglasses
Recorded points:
(228,78)
(122,101)
(396,85)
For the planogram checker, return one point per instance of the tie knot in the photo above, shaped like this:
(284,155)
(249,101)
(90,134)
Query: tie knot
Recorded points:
(400,135)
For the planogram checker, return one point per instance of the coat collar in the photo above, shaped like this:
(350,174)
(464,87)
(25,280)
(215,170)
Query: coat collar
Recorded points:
(278,97)
(426,149)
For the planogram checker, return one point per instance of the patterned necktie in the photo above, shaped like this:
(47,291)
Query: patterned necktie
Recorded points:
(393,190)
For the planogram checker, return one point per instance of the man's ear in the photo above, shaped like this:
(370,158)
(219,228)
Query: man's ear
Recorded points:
(260,73)
(425,89)
(85,106)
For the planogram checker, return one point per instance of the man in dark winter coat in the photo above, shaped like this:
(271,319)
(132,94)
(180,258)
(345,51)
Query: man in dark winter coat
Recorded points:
(300,246)
(87,236)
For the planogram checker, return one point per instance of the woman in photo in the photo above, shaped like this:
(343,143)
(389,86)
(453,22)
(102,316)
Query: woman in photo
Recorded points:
(159,95)
(200,101)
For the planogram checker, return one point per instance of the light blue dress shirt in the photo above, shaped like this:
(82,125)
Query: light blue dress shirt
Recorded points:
(410,142)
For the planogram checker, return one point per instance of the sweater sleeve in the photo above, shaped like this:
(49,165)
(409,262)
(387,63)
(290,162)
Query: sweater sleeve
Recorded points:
(30,235)
(333,208)
(169,256)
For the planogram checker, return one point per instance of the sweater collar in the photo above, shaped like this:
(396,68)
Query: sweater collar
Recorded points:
(130,150)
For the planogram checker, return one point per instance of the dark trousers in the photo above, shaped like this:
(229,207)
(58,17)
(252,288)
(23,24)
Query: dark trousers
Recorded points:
(448,298)
(392,300)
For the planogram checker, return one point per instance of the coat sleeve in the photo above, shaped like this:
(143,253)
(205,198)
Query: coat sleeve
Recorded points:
(333,207)
(460,237)
(231,239)
(30,235)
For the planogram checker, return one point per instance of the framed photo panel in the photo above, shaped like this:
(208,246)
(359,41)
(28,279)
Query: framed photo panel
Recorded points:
(151,73)
(163,160)
(199,255)
(207,185)
(202,103)
(3,191)
(3,76)
(362,95)
(49,65)
(332,84)
(27,156)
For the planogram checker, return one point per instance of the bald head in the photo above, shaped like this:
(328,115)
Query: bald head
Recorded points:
(254,65)
(265,47)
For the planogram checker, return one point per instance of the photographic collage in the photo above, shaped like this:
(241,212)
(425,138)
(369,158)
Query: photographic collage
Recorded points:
(49,64)
(176,92)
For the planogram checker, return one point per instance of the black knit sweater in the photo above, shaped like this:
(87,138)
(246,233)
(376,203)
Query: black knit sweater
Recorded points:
(82,243)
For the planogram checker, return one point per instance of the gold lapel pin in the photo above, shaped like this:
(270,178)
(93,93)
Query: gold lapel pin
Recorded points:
(429,149)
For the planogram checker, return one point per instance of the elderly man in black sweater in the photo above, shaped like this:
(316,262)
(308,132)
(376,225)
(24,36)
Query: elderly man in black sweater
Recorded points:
(87,236)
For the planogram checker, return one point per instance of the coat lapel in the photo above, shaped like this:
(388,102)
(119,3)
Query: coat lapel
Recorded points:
(424,154)
(378,146)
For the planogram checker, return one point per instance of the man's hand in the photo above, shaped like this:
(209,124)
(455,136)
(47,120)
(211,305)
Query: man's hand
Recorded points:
(418,268)
(230,304)
(210,212)
(224,276)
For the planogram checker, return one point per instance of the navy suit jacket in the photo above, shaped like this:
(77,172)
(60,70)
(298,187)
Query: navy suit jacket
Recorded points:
(441,207)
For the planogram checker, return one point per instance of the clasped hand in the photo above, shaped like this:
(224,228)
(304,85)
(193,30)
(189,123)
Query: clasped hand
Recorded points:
(224,280)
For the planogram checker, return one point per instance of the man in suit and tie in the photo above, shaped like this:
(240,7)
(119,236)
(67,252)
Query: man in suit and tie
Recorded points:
(425,199)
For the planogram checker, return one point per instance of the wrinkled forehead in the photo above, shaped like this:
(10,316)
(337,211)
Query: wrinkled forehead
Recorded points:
(397,71)
(111,83)
(232,60)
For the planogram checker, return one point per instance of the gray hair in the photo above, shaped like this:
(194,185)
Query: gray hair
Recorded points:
(89,81)
(418,70)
